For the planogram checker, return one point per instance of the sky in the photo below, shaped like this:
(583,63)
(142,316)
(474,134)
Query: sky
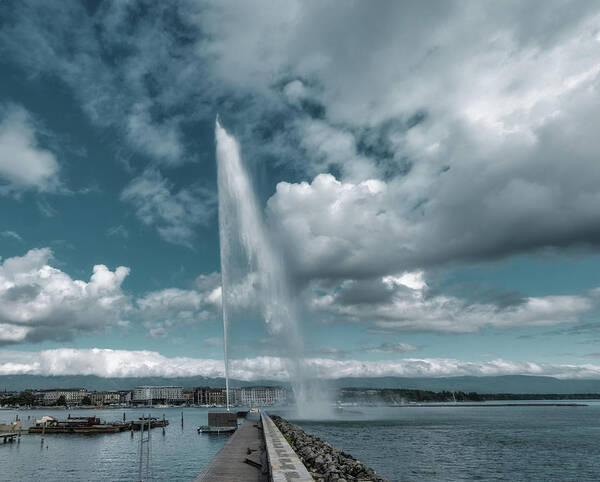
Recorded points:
(429,171)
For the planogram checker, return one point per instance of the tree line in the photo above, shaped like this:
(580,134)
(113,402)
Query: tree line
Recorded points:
(395,396)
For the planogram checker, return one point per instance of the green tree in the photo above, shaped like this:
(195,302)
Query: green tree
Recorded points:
(86,400)
(61,400)
(26,398)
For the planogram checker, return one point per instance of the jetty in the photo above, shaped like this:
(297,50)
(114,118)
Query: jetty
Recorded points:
(221,422)
(9,437)
(143,422)
(256,452)
(93,425)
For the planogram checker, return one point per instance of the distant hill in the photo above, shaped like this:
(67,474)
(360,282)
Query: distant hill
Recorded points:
(499,384)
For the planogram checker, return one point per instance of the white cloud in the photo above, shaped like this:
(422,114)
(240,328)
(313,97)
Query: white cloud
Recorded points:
(39,302)
(412,280)
(24,164)
(323,227)
(118,231)
(175,215)
(163,309)
(395,307)
(334,229)
(11,235)
(121,93)
(451,138)
(391,348)
(484,149)
(46,209)
(159,140)
(124,363)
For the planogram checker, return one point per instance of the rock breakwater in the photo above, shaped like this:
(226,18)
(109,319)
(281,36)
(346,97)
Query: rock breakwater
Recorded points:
(324,462)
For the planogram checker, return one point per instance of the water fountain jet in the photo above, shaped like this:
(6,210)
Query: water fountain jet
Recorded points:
(249,253)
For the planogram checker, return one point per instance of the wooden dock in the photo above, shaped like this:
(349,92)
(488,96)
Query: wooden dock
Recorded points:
(9,437)
(242,458)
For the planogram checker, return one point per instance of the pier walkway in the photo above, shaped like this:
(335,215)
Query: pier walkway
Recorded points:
(9,437)
(284,463)
(242,458)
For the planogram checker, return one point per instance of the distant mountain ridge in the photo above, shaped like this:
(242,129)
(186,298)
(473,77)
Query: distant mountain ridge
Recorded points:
(495,384)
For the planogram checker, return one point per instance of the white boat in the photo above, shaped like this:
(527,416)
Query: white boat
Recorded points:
(211,429)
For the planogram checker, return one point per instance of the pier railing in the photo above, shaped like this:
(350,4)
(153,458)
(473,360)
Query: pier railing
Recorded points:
(284,463)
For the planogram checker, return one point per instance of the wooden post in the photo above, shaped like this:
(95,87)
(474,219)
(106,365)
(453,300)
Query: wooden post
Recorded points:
(141,449)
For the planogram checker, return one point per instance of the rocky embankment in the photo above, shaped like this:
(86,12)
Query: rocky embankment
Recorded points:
(323,461)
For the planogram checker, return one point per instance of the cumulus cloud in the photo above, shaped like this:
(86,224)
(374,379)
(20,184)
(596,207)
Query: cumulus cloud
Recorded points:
(409,306)
(438,136)
(24,164)
(481,150)
(125,363)
(333,229)
(163,309)
(39,302)
(175,215)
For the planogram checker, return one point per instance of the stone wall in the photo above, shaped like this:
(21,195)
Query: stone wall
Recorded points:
(323,461)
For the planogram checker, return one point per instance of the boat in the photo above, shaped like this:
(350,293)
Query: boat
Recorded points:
(254,410)
(90,425)
(217,430)
(153,421)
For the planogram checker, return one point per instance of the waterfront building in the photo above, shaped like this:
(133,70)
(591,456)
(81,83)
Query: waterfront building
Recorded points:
(125,396)
(105,398)
(72,396)
(215,396)
(261,396)
(157,394)
(247,396)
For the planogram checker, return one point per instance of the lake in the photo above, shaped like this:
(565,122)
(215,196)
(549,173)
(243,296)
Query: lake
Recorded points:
(401,443)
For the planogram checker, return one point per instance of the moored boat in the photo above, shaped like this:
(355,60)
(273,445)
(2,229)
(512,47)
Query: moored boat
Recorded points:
(50,425)
(217,430)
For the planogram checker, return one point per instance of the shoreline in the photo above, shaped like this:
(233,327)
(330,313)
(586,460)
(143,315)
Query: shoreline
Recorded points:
(342,408)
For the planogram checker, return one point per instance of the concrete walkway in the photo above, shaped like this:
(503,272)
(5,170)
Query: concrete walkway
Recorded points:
(230,462)
(285,464)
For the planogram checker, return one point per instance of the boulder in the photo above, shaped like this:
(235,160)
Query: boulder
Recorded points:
(324,462)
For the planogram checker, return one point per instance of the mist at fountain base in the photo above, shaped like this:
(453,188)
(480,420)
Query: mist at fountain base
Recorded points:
(314,400)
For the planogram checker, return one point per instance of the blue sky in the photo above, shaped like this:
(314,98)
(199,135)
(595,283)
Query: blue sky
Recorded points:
(431,177)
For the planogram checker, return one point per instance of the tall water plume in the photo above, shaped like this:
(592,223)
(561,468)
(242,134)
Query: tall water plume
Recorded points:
(251,262)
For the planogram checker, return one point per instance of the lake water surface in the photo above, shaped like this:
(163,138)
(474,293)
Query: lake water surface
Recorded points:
(403,444)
